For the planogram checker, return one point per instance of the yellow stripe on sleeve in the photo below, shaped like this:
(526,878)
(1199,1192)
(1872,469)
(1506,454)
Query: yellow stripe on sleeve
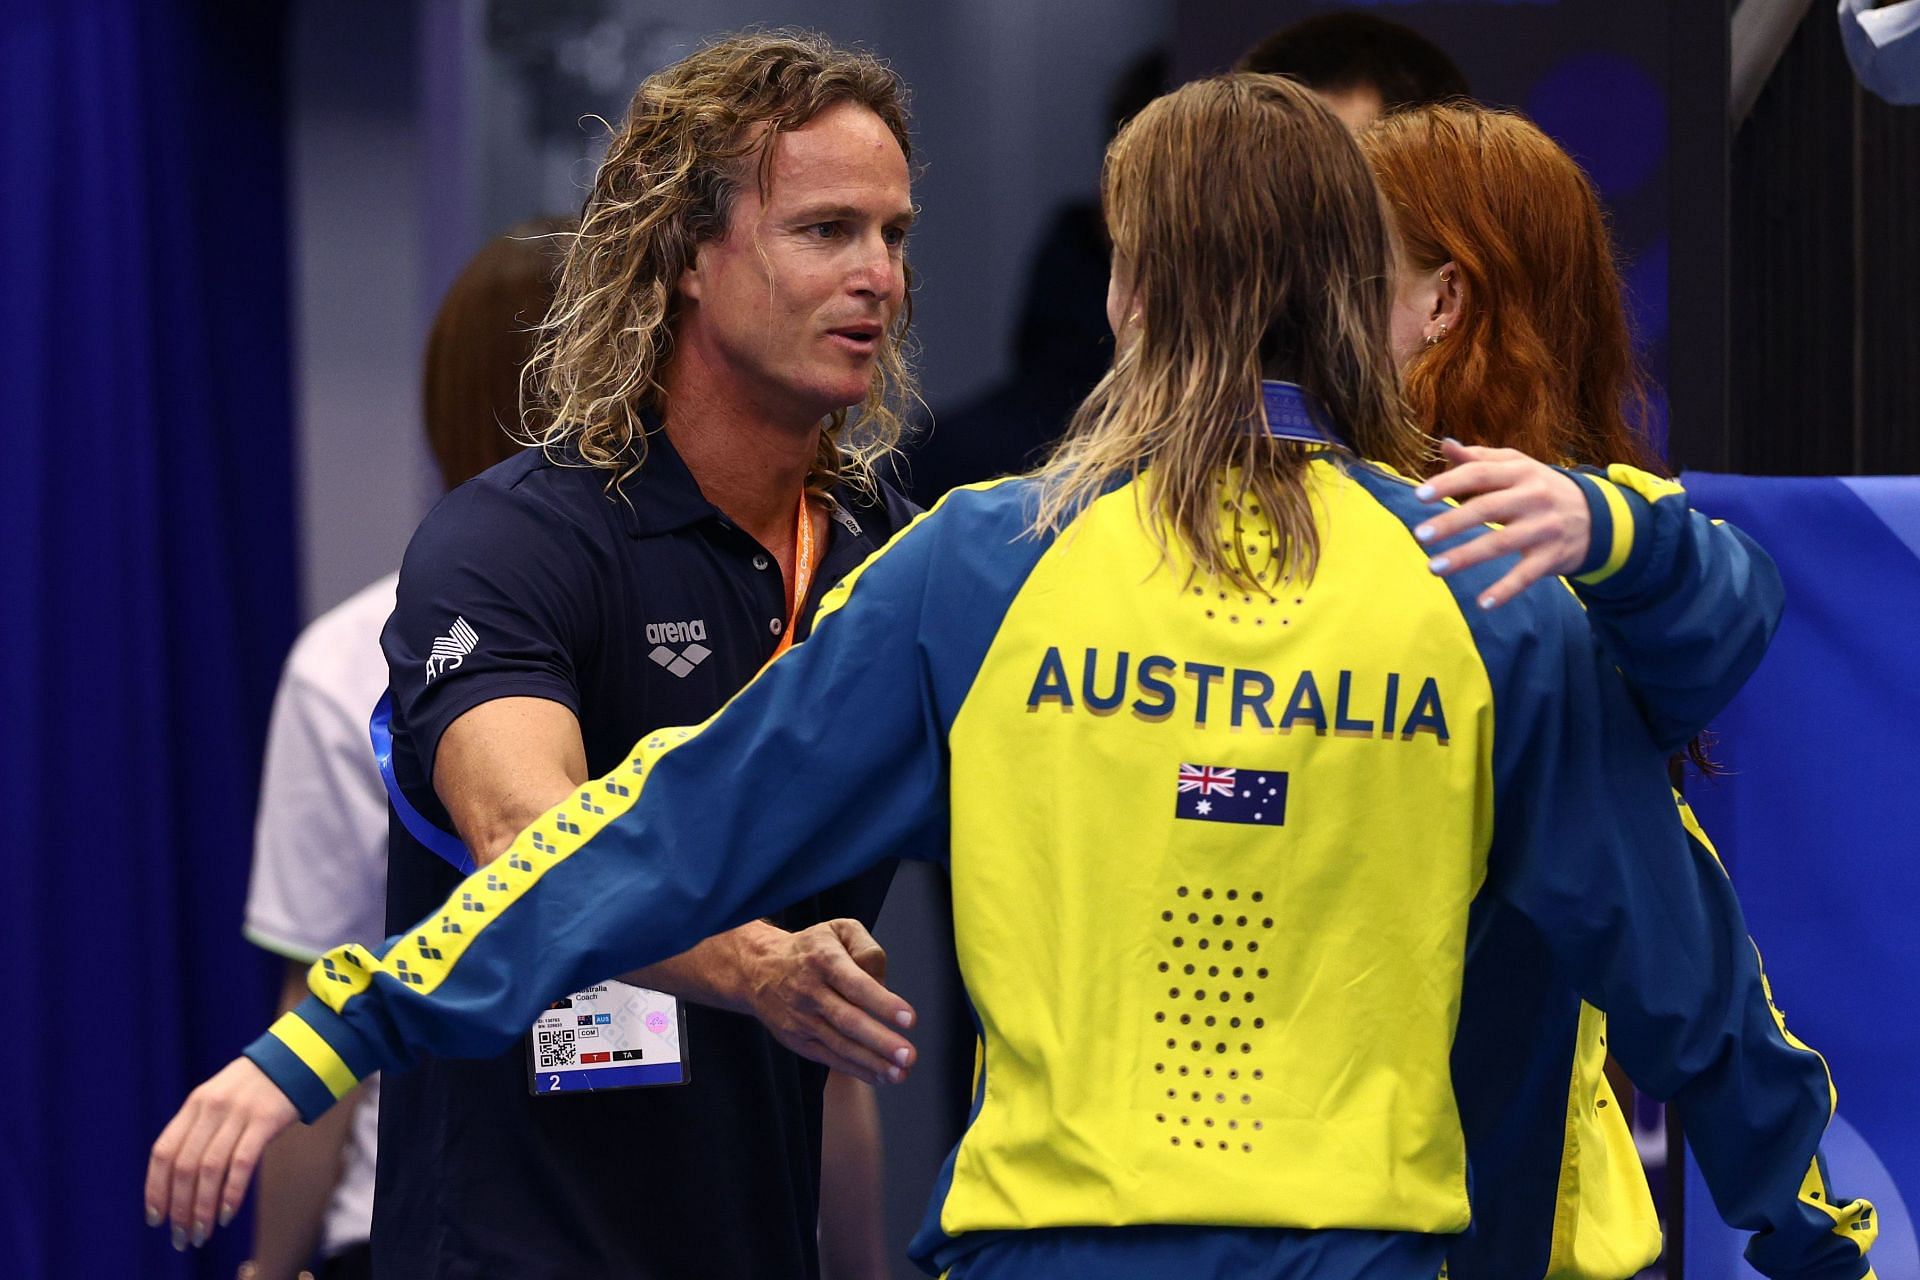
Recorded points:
(1622,546)
(319,1056)
(1649,486)
(1695,830)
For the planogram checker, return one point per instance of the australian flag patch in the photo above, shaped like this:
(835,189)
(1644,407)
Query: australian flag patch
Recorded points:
(1211,793)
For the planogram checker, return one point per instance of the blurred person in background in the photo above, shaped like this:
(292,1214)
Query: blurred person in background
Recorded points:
(320,839)
(1513,341)
(1060,348)
(1503,768)
(1364,66)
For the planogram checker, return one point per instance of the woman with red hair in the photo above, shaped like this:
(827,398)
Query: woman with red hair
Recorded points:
(1513,342)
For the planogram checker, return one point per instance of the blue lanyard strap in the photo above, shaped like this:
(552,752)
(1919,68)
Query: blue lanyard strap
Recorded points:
(1294,413)
(444,843)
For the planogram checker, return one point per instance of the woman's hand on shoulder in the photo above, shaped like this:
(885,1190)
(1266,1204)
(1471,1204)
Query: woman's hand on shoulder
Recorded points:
(1541,513)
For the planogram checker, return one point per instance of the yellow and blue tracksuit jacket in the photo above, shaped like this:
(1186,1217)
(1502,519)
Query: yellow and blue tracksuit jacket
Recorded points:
(1686,607)
(1218,860)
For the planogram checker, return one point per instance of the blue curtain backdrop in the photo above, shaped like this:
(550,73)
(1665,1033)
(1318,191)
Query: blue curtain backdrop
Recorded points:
(1819,821)
(146,544)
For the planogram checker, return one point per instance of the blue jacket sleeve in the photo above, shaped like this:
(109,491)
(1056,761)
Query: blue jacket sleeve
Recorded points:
(830,761)
(1646,925)
(1686,606)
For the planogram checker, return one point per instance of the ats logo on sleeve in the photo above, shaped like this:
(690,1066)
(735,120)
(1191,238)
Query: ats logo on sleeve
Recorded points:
(451,649)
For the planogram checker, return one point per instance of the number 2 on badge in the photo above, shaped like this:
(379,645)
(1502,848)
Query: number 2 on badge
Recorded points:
(553,1082)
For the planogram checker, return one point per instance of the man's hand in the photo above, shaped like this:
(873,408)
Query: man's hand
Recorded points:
(1544,513)
(820,992)
(206,1155)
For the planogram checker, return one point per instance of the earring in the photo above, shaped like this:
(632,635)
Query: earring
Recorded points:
(1433,339)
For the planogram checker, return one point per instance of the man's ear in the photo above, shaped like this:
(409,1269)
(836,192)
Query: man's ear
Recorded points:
(688,285)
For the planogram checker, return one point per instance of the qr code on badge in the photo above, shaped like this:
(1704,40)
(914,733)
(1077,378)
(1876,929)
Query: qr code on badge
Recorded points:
(557,1049)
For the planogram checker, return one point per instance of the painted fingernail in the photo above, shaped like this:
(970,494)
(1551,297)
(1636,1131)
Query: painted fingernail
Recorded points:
(896,1075)
(1424,493)
(226,1214)
(1440,564)
(1424,533)
(901,1055)
(153,1216)
(1448,440)
(200,1234)
(1489,600)
(180,1239)
(904,1017)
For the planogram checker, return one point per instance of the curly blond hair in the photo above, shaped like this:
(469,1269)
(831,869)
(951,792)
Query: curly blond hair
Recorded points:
(693,134)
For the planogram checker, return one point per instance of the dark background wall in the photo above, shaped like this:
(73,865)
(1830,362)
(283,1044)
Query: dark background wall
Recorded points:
(1824,346)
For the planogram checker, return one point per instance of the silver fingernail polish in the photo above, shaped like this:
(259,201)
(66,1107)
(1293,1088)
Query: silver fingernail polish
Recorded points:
(1439,564)
(180,1239)
(153,1216)
(1424,533)
(200,1234)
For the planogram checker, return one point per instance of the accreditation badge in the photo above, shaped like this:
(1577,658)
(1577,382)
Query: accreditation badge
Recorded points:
(609,1036)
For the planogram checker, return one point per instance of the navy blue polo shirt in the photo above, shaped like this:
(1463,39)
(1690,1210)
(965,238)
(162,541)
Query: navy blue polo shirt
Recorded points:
(532,580)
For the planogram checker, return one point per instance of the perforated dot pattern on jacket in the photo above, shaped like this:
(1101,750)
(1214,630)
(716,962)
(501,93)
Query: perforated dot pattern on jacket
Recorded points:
(1208,1027)
(1245,528)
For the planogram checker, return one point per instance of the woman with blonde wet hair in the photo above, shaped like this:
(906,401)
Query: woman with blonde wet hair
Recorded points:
(1224,776)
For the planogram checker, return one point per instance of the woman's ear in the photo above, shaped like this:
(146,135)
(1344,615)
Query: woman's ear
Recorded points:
(1449,295)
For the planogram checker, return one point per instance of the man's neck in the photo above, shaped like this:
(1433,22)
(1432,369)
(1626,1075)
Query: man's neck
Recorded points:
(747,463)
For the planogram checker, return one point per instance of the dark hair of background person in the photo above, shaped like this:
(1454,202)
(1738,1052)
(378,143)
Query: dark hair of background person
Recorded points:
(482,336)
(1339,51)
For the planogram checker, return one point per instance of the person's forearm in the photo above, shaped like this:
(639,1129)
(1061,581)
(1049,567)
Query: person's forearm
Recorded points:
(721,972)
(505,764)
(298,1172)
(852,1202)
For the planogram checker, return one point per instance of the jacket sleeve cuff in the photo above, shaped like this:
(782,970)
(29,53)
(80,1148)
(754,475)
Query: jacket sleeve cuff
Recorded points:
(1610,544)
(1622,542)
(313,1056)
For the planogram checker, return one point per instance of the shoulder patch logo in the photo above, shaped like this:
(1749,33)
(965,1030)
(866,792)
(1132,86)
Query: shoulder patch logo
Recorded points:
(451,649)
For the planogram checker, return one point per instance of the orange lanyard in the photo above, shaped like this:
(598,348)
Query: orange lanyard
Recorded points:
(803,567)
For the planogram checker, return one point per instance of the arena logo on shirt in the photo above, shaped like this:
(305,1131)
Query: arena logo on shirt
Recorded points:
(676,632)
(680,661)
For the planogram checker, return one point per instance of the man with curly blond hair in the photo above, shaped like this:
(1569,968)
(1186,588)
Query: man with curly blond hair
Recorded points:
(720,371)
